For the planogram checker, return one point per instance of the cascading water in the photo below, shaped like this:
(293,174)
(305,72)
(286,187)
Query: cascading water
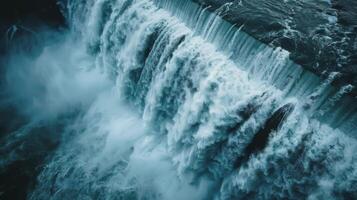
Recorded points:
(195,109)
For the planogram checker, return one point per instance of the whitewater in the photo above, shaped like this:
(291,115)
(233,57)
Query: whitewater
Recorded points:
(163,99)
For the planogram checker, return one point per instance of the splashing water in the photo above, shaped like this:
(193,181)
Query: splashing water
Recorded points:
(178,104)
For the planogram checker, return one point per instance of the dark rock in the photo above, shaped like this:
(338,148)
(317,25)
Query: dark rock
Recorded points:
(261,139)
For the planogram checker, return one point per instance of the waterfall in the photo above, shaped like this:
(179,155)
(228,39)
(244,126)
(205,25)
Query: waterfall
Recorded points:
(198,110)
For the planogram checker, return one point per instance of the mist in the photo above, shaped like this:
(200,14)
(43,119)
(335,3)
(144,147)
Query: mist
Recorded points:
(86,133)
(165,100)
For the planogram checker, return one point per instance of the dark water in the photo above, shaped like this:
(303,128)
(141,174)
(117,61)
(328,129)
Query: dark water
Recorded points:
(321,35)
(161,99)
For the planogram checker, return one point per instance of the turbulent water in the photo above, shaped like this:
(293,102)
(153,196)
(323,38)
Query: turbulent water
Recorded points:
(320,35)
(161,99)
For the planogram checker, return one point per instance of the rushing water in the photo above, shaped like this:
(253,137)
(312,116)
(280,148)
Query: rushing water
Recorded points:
(164,100)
